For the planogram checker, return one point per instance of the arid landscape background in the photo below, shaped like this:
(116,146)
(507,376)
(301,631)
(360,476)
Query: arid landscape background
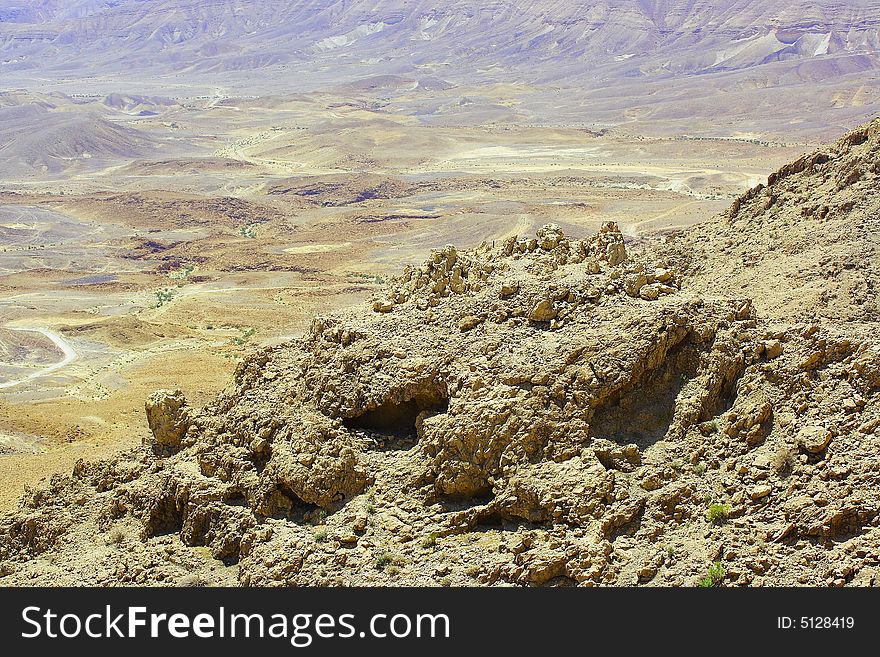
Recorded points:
(183,181)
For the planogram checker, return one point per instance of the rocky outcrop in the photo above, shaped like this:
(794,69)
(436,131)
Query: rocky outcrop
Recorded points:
(803,246)
(168,417)
(552,411)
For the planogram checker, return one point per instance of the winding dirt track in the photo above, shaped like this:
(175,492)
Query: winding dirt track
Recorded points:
(70,355)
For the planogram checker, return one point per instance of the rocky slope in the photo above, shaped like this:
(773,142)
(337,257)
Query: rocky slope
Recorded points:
(546,411)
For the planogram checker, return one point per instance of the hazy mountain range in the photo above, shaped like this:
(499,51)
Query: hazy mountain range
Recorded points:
(610,61)
(634,38)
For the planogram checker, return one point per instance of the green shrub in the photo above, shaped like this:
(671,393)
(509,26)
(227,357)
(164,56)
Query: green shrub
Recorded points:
(714,578)
(246,334)
(717,513)
(384,560)
(164,296)
(183,273)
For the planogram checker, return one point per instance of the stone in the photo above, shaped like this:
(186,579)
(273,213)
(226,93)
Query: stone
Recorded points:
(814,438)
(647,572)
(662,275)
(633,283)
(609,244)
(773,349)
(549,236)
(760,492)
(468,322)
(615,253)
(543,311)
(383,305)
(167,416)
(508,289)
(650,292)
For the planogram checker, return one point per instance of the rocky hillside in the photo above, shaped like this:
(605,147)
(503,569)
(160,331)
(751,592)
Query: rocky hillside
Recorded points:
(805,245)
(546,411)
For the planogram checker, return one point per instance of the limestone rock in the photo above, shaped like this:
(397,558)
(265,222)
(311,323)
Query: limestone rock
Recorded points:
(543,311)
(634,283)
(383,305)
(609,244)
(508,289)
(468,322)
(773,349)
(814,438)
(650,292)
(167,416)
(760,492)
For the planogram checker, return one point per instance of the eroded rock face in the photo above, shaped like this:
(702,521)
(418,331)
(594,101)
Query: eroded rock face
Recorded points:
(168,416)
(552,411)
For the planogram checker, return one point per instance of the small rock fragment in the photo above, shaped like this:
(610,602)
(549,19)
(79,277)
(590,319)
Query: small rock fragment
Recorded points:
(543,311)
(814,438)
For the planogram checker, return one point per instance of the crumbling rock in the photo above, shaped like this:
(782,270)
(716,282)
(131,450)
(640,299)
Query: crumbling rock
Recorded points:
(167,416)
(550,411)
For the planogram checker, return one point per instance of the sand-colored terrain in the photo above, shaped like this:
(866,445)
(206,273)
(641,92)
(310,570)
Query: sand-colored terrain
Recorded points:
(172,201)
(166,272)
(701,408)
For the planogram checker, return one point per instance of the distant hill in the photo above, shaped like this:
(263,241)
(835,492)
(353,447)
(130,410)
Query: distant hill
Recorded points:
(34,138)
(606,61)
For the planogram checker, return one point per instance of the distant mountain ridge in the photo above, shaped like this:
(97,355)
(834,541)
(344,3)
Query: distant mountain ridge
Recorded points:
(696,36)
(663,60)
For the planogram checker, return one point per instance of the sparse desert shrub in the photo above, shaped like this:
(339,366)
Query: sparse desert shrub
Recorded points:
(321,535)
(183,273)
(384,560)
(714,578)
(164,296)
(699,469)
(117,536)
(717,513)
(429,541)
(246,334)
